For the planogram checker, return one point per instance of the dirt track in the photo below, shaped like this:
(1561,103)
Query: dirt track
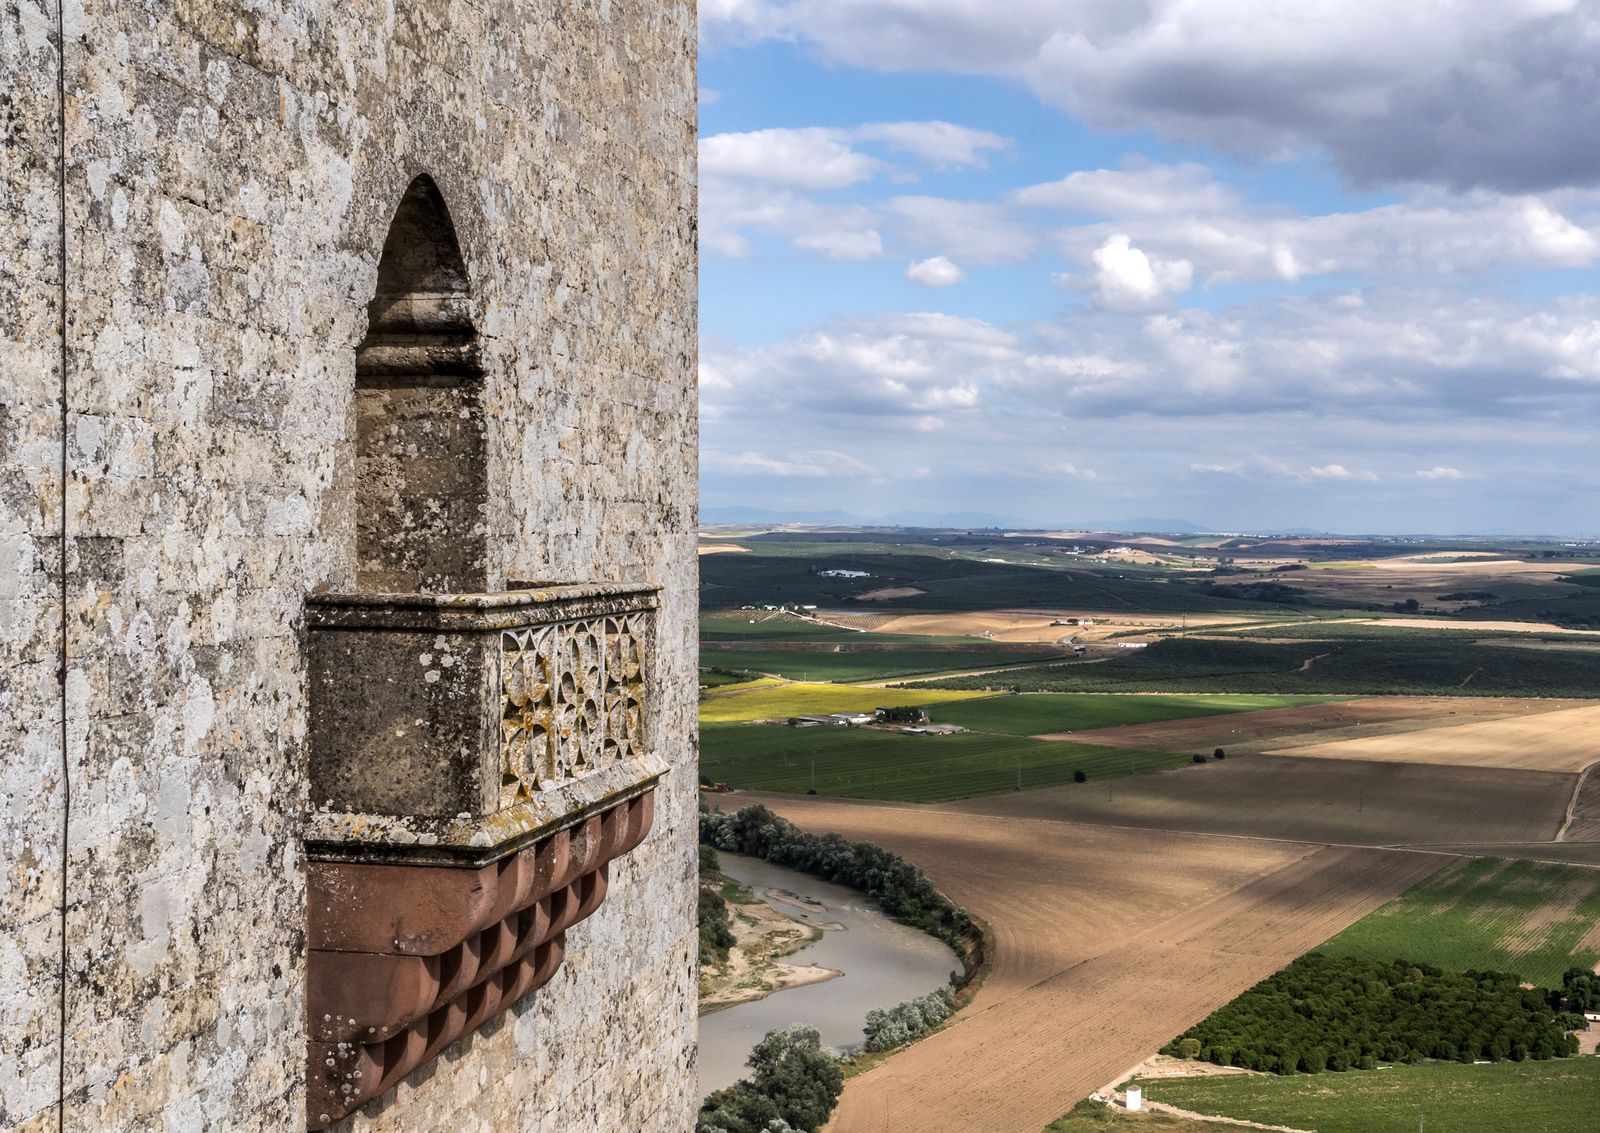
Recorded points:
(1108,943)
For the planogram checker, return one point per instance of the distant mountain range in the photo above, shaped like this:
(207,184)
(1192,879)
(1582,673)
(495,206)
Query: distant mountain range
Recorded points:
(737,514)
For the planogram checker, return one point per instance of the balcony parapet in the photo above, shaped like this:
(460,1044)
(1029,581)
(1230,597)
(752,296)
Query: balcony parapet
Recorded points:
(477,762)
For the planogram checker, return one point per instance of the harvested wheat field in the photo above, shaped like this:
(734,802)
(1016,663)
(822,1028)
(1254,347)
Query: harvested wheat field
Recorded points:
(1108,942)
(1566,740)
(1276,728)
(1036,625)
(1347,802)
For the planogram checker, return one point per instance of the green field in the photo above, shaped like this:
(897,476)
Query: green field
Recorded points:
(1487,914)
(813,665)
(772,699)
(1096,1117)
(869,764)
(1034,713)
(1558,1096)
(1429,666)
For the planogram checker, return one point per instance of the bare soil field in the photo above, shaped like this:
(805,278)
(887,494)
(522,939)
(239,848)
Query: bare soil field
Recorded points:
(1448,624)
(884,593)
(1565,740)
(1273,728)
(1344,802)
(1036,625)
(1407,576)
(1108,942)
(723,549)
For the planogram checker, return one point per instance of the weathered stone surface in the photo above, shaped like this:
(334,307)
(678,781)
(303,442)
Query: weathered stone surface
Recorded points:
(232,169)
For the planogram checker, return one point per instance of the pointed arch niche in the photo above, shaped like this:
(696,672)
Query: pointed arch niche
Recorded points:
(421,477)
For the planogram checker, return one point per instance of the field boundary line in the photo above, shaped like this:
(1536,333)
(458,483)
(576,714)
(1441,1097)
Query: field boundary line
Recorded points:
(1572,803)
(1190,1115)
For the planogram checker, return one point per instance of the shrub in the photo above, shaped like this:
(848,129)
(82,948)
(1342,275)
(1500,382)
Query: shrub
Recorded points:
(1080,777)
(1198,758)
(1219,754)
(908,1022)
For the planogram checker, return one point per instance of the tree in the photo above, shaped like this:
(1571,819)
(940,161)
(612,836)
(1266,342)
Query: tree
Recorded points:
(1189,1047)
(1219,754)
(801,1077)
(1080,776)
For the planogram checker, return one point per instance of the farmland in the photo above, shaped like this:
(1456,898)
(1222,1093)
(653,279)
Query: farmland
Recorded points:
(771,699)
(1566,740)
(809,665)
(1388,718)
(1322,720)
(1559,1096)
(1534,919)
(871,764)
(1427,666)
(1105,941)
(1047,712)
(1312,800)
(994,756)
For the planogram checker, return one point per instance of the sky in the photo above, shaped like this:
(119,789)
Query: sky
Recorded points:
(1255,264)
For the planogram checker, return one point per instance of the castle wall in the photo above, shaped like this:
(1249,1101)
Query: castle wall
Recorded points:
(232,169)
(30,509)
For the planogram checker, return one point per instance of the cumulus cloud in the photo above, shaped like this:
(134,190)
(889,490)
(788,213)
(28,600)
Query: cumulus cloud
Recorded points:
(937,271)
(1126,279)
(1498,93)
(809,158)
(978,232)
(1139,189)
(1069,469)
(1441,473)
(941,144)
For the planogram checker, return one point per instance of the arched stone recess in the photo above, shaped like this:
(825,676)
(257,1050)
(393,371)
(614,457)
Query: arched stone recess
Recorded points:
(421,475)
(478,752)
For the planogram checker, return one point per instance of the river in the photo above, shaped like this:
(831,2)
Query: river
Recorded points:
(884,964)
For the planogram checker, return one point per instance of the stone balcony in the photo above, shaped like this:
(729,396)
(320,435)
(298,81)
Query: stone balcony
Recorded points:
(477,760)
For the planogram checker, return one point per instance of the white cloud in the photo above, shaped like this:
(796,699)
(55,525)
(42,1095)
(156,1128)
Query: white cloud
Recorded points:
(941,144)
(1463,93)
(1338,472)
(975,231)
(1067,468)
(1126,279)
(730,209)
(1441,473)
(811,464)
(1139,189)
(808,159)
(935,272)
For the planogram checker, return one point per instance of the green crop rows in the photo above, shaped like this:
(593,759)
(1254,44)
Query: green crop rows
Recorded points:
(1487,914)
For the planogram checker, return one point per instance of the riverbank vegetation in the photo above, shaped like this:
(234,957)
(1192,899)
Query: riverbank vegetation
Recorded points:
(900,888)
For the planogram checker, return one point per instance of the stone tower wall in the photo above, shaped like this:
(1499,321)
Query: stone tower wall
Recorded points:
(231,170)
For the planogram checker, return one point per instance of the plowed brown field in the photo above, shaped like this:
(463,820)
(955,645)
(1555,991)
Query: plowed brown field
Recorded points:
(1311,800)
(1108,943)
